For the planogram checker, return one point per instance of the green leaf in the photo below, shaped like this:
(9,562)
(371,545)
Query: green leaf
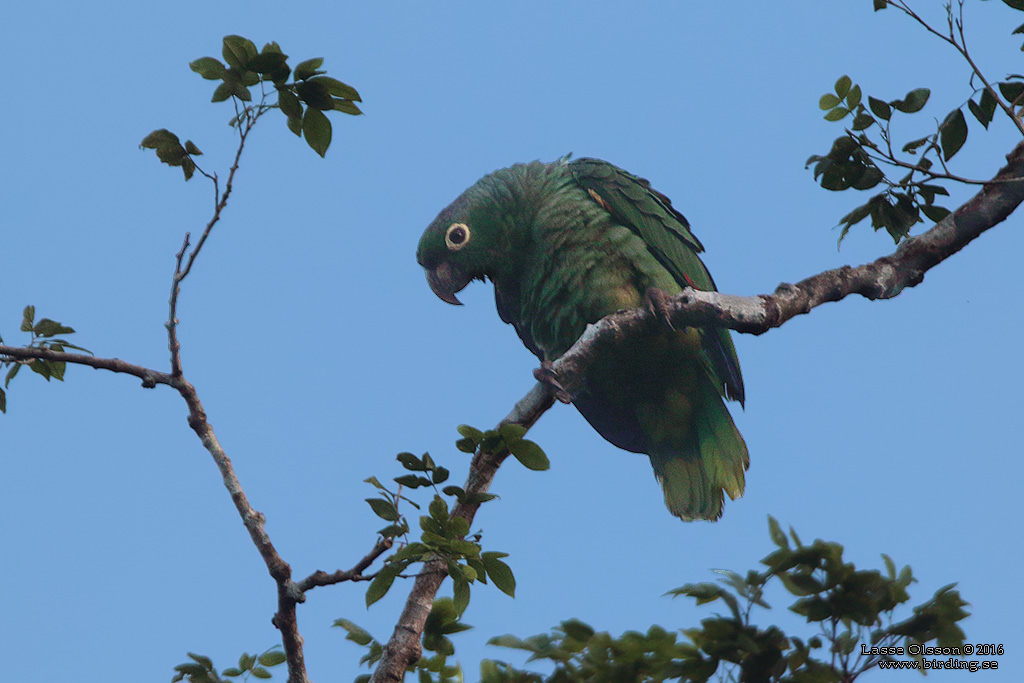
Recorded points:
(911,147)
(880,4)
(11,373)
(853,97)
(1015,4)
(381,583)
(159,138)
(272,658)
(439,509)
(209,68)
(49,328)
(410,462)
(460,592)
(3,401)
(191,148)
(289,103)
(57,368)
(222,92)
(934,212)
(411,480)
(953,134)
(317,130)
(776,533)
(862,121)
(978,113)
(337,88)
(499,572)
(837,114)
(843,86)
(530,455)
(295,125)
(260,672)
(384,509)
(266,62)
(308,68)
(238,51)
(347,107)
(206,662)
(27,318)
(315,95)
(1011,91)
(511,432)
(879,108)
(231,672)
(828,101)
(191,669)
(577,630)
(988,103)
(40,367)
(470,433)
(913,102)
(355,633)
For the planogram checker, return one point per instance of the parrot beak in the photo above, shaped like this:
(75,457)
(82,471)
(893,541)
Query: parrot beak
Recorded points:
(445,281)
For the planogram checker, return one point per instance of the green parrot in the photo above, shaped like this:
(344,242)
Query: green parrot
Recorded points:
(568,243)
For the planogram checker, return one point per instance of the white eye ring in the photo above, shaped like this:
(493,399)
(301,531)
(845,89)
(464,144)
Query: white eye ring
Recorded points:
(457,236)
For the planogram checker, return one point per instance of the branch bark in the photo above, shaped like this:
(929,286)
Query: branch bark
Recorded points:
(883,278)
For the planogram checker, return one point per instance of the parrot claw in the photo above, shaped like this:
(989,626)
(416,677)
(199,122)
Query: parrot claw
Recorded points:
(546,374)
(657,302)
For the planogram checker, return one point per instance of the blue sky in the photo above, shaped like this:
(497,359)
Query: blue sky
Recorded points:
(320,352)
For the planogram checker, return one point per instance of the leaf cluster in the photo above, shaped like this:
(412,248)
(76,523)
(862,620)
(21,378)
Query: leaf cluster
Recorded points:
(848,606)
(43,336)
(445,536)
(170,151)
(303,100)
(507,437)
(202,670)
(444,620)
(865,157)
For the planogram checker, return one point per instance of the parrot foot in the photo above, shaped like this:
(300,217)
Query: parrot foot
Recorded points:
(546,374)
(659,304)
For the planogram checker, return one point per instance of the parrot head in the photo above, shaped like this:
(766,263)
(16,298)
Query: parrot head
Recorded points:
(469,240)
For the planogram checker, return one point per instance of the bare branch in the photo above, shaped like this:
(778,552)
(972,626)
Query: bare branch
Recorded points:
(322,578)
(883,278)
(150,378)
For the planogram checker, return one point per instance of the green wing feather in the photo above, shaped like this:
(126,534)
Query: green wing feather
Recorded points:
(635,204)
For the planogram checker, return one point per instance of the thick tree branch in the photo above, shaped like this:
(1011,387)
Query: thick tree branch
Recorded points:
(883,278)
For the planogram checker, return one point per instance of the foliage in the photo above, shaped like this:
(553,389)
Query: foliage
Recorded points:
(443,621)
(202,670)
(43,335)
(864,157)
(303,101)
(852,610)
(444,535)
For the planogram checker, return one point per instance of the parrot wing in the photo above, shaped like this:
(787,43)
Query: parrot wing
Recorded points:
(636,205)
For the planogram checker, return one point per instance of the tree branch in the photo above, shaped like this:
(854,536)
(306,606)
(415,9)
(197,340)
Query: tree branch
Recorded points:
(322,578)
(883,278)
(404,648)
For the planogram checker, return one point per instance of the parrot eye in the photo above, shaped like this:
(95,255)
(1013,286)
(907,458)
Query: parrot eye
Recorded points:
(457,236)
